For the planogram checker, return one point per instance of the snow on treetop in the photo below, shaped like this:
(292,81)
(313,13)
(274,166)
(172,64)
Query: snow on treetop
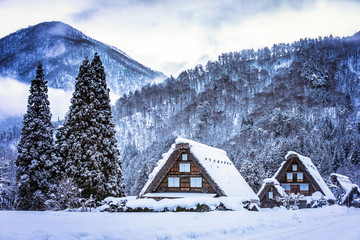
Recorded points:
(313,171)
(218,167)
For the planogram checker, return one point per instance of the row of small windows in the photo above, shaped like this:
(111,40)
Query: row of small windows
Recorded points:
(300,175)
(303,186)
(194,182)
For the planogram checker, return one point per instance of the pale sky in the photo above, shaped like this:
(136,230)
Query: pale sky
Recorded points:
(171,36)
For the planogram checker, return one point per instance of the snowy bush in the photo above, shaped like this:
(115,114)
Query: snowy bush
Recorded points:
(291,201)
(132,204)
(64,196)
(7,196)
(356,202)
(317,202)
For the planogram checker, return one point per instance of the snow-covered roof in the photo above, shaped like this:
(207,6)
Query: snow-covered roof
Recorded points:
(313,171)
(345,184)
(276,184)
(217,166)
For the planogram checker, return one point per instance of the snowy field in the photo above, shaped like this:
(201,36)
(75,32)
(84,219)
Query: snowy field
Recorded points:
(326,223)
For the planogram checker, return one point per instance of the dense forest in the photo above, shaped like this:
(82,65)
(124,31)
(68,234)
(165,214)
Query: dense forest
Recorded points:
(256,105)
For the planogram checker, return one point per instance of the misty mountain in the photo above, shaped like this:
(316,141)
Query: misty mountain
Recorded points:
(256,105)
(61,49)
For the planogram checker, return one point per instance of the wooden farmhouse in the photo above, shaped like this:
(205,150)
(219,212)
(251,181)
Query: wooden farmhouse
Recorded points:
(296,175)
(271,193)
(192,169)
(347,192)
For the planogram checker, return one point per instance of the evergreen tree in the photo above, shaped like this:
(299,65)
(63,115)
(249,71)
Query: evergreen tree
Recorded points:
(107,151)
(86,143)
(35,150)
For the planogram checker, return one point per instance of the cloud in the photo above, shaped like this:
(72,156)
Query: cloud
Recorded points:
(59,102)
(160,32)
(14,95)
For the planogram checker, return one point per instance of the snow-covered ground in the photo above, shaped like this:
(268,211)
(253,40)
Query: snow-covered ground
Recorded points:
(333,222)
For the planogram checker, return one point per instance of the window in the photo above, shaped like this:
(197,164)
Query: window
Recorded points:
(271,195)
(196,182)
(184,157)
(355,196)
(304,187)
(286,187)
(294,167)
(300,176)
(173,182)
(184,167)
(289,176)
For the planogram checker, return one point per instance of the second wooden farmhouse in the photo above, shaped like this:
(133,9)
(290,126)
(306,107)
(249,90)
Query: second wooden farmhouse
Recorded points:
(192,169)
(297,174)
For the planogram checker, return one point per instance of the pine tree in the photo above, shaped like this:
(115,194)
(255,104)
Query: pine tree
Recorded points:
(106,140)
(86,143)
(35,150)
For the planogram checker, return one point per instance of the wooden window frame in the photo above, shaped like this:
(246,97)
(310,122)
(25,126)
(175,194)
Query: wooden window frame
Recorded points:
(288,186)
(302,176)
(271,195)
(182,167)
(294,167)
(304,184)
(172,181)
(193,179)
(287,177)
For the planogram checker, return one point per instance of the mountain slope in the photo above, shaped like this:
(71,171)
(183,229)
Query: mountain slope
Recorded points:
(61,50)
(257,105)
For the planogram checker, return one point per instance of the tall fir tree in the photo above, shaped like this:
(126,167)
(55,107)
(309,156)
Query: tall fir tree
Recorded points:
(35,166)
(86,143)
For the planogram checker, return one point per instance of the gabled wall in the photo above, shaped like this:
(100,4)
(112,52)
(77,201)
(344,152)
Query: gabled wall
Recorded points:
(185,177)
(295,183)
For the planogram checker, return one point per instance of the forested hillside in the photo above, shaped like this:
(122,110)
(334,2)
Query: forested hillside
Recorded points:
(256,105)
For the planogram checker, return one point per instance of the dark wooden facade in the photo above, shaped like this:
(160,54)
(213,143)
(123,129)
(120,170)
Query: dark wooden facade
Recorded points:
(267,200)
(185,176)
(294,178)
(171,169)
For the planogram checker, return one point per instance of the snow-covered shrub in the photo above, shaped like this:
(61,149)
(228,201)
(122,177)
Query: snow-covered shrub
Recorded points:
(317,202)
(113,205)
(7,196)
(133,204)
(222,207)
(356,202)
(64,196)
(291,201)
(87,204)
